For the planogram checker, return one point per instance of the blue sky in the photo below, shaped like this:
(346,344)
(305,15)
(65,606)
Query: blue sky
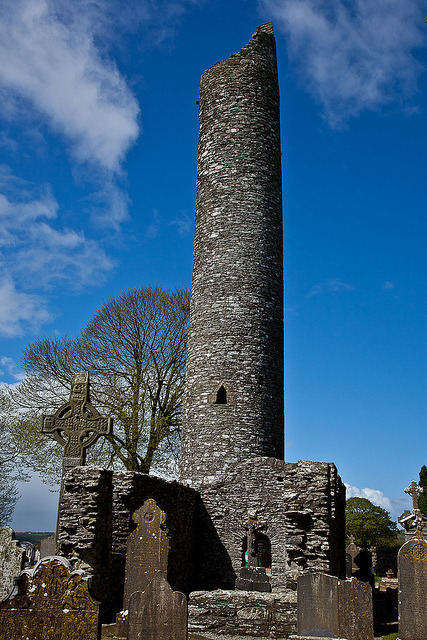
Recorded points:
(98,145)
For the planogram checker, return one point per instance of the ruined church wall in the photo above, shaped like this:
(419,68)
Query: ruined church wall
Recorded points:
(95,519)
(303,507)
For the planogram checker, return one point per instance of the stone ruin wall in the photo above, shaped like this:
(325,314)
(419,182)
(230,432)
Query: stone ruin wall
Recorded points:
(95,519)
(302,503)
(236,312)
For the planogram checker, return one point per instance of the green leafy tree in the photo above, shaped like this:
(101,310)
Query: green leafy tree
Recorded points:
(422,498)
(370,525)
(135,349)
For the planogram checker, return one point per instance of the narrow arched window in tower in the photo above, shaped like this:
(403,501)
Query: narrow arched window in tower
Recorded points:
(221,395)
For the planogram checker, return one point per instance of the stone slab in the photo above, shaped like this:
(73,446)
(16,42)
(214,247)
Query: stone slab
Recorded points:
(332,608)
(318,605)
(48,546)
(11,561)
(50,602)
(158,613)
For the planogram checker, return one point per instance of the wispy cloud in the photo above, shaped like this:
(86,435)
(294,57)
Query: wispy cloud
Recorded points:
(183,223)
(20,312)
(388,286)
(353,55)
(38,252)
(12,368)
(331,286)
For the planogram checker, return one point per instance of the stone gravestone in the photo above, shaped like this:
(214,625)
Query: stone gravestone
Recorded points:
(147,549)
(352,550)
(158,613)
(48,546)
(355,610)
(318,605)
(332,608)
(11,561)
(50,602)
(412,579)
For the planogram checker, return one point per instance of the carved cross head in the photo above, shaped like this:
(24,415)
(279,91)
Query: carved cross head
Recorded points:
(77,424)
(414,490)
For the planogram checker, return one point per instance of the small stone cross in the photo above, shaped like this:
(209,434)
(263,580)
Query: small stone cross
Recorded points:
(77,424)
(414,490)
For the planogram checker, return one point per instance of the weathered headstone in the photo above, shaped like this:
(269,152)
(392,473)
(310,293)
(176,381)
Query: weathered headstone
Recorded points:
(352,550)
(332,608)
(147,549)
(158,613)
(355,612)
(48,546)
(412,579)
(318,605)
(11,561)
(50,602)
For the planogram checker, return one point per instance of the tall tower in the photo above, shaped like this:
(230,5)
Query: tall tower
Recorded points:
(234,386)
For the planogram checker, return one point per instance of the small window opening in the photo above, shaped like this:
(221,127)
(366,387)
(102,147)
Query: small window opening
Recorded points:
(221,395)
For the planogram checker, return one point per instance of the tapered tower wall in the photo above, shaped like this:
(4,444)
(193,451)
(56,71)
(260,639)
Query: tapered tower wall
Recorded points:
(234,386)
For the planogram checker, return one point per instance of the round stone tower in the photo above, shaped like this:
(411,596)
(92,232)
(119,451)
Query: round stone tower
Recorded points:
(234,382)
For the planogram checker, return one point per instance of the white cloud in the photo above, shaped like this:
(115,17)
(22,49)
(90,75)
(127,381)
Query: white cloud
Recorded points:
(395,506)
(183,223)
(353,55)
(332,285)
(59,70)
(20,312)
(373,495)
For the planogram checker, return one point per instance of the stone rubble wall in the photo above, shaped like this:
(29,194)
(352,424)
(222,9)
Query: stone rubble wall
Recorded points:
(95,519)
(242,613)
(303,506)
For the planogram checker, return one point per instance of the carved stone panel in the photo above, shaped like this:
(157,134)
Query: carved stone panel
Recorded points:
(412,576)
(147,549)
(11,561)
(50,602)
(158,613)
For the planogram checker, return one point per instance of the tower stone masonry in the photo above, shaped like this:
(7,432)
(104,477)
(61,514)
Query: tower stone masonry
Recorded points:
(234,387)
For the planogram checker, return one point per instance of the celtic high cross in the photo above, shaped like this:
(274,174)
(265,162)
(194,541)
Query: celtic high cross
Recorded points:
(77,424)
(414,490)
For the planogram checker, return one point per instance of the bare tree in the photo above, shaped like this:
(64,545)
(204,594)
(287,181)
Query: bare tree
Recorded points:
(11,470)
(134,348)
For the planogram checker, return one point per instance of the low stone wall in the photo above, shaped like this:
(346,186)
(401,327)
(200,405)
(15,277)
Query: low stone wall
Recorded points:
(243,613)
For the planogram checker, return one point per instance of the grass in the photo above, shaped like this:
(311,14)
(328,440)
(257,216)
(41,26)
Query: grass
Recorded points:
(391,636)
